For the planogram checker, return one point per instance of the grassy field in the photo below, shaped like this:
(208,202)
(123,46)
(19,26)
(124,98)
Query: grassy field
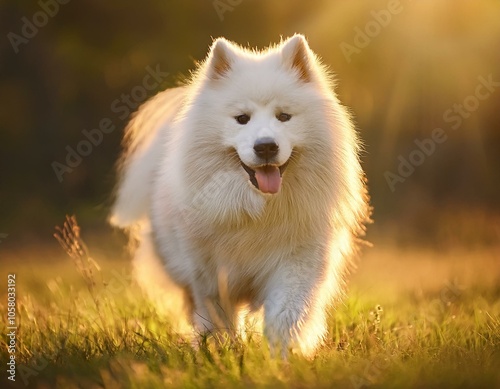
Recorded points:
(413,319)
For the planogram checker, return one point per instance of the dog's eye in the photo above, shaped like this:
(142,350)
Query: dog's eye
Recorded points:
(243,119)
(283,117)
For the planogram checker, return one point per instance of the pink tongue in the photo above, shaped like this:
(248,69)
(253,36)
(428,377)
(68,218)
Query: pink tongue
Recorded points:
(268,178)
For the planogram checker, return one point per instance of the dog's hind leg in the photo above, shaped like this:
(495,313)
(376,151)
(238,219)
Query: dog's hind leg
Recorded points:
(169,299)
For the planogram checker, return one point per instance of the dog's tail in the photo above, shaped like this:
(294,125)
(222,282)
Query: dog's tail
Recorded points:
(144,140)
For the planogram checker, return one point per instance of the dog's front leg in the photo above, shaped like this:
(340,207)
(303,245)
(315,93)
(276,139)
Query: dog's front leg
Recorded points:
(214,313)
(297,297)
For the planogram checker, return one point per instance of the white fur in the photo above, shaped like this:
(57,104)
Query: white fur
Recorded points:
(227,245)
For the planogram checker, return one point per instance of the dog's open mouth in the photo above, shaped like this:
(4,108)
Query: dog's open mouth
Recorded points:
(266,178)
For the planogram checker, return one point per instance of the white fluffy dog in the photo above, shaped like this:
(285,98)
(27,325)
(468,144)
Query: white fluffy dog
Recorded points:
(247,185)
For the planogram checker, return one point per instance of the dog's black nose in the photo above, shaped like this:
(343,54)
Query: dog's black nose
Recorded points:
(266,148)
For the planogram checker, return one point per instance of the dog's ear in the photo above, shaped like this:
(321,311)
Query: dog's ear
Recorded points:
(297,55)
(220,58)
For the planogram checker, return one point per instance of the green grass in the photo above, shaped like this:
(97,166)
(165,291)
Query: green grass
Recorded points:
(90,327)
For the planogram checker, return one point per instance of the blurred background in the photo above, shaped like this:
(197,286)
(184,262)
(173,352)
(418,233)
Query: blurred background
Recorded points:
(405,68)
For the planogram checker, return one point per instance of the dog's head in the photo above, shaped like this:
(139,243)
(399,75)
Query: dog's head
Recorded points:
(266,105)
